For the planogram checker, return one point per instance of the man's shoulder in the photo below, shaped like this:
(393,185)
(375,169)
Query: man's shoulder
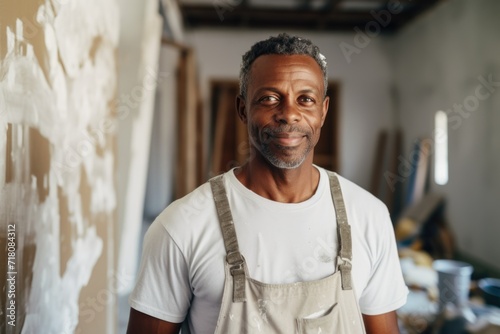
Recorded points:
(357,196)
(197,207)
(190,208)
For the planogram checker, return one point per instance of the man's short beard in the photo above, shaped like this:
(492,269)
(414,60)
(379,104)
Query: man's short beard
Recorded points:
(264,148)
(275,161)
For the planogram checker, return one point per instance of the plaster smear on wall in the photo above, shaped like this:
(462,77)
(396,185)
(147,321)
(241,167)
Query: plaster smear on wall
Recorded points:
(67,98)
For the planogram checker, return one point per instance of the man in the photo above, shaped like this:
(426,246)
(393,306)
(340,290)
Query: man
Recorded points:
(278,245)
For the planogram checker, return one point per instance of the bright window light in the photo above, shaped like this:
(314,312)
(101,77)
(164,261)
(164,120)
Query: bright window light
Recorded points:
(441,148)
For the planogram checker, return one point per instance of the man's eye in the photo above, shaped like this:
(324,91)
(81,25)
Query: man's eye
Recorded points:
(306,99)
(269,99)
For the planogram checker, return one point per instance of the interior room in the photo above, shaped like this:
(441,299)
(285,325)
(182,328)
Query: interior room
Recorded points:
(111,110)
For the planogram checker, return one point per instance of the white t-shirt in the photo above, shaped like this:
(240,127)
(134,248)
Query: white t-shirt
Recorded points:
(182,267)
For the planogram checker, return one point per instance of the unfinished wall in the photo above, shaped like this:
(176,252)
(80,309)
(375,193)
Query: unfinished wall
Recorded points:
(365,80)
(57,163)
(444,61)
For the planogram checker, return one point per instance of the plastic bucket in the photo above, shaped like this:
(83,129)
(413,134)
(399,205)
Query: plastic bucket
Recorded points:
(453,282)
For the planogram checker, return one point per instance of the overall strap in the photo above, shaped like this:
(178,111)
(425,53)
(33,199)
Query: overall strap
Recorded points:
(344,233)
(233,255)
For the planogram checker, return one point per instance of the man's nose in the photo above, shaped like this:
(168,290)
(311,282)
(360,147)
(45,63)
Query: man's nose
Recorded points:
(288,113)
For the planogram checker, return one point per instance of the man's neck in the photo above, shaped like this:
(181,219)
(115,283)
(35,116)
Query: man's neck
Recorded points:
(277,184)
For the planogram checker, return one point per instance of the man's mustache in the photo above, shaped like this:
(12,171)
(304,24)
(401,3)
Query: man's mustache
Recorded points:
(275,131)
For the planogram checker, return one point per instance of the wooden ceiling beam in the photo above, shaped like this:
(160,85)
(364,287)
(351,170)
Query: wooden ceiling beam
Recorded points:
(331,4)
(209,13)
(328,18)
(412,10)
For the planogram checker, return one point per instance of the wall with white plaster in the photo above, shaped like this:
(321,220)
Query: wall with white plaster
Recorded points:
(57,162)
(438,61)
(365,85)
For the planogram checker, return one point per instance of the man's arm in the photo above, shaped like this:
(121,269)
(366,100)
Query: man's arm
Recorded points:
(386,323)
(139,323)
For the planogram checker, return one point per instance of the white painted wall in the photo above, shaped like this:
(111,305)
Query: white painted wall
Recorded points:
(163,151)
(437,61)
(365,99)
(138,75)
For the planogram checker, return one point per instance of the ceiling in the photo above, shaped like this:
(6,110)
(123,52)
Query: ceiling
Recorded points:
(324,15)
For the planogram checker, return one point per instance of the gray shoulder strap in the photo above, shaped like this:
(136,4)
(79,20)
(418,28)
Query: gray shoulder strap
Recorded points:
(343,231)
(233,255)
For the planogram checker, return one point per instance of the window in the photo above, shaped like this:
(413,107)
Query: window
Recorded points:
(441,148)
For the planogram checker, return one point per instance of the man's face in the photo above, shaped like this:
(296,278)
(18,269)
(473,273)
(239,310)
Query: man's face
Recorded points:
(284,108)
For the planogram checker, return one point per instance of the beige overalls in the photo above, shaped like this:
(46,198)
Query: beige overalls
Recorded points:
(328,305)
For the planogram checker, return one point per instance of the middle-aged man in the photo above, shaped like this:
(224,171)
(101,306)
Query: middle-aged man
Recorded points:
(278,245)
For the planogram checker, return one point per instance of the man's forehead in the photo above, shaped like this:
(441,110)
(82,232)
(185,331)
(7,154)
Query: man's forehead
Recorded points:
(268,70)
(270,62)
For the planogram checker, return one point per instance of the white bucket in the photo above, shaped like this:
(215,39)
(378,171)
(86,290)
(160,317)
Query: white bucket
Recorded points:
(453,282)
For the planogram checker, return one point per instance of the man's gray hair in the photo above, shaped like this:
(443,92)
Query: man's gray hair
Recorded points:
(283,44)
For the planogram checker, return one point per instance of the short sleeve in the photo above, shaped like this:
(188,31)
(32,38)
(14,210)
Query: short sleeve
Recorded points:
(163,288)
(386,290)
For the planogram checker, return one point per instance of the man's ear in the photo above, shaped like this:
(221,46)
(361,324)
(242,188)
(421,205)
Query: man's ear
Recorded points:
(326,103)
(240,108)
